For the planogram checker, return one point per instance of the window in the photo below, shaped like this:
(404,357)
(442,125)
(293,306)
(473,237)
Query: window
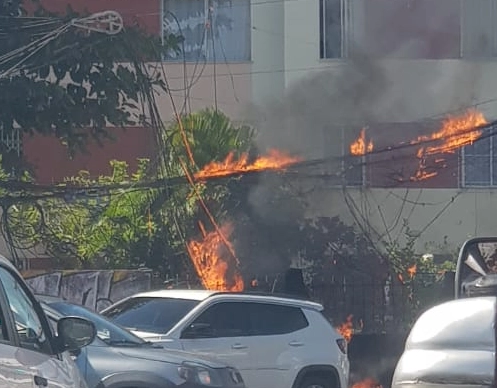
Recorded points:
(428,29)
(213,30)
(240,319)
(28,324)
(332,28)
(226,319)
(155,315)
(409,29)
(479,167)
(271,319)
(479,30)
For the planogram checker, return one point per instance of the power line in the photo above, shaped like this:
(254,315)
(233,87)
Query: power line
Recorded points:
(292,169)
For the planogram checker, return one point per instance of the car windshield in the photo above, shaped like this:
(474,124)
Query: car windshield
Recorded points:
(153,315)
(107,331)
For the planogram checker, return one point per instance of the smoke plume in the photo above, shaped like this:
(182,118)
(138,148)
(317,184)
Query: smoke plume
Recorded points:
(390,75)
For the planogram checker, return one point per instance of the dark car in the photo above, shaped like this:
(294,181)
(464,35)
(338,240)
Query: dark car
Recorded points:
(119,359)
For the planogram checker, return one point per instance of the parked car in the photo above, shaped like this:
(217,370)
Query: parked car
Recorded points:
(451,345)
(119,359)
(276,342)
(30,355)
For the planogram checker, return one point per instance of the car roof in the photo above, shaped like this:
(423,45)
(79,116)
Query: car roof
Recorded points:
(177,294)
(201,295)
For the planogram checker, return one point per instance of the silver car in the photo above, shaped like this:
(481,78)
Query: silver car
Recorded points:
(30,356)
(451,345)
(119,359)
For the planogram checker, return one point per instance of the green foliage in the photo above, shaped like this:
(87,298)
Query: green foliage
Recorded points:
(211,135)
(422,277)
(97,225)
(71,87)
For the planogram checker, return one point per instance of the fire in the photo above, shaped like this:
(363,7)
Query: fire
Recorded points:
(412,270)
(361,146)
(346,329)
(367,383)
(212,258)
(455,133)
(275,160)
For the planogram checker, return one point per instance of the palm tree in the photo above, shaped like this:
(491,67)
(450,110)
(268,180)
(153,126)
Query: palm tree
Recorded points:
(209,135)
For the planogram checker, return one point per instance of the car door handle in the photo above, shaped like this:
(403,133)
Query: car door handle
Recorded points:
(238,346)
(41,381)
(296,343)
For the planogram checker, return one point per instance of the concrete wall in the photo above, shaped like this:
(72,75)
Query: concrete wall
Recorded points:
(93,289)
(438,215)
(233,84)
(416,89)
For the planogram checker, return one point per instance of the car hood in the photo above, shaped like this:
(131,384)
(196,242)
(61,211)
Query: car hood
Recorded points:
(168,355)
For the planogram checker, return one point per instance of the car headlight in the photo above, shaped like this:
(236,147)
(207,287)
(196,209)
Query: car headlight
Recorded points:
(200,374)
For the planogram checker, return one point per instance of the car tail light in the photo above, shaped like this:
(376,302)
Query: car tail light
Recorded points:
(342,345)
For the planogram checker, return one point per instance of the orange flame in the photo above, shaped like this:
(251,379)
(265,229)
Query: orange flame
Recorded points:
(275,160)
(212,258)
(367,383)
(412,270)
(454,134)
(346,329)
(361,146)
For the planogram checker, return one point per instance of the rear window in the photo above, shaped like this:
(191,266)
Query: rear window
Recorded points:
(153,315)
(272,319)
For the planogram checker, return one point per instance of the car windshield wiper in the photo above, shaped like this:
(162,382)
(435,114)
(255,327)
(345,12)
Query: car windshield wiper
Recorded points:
(125,342)
(122,342)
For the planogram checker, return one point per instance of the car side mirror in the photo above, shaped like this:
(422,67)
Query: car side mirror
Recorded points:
(198,330)
(74,333)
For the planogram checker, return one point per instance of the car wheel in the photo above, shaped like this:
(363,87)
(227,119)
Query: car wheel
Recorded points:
(315,382)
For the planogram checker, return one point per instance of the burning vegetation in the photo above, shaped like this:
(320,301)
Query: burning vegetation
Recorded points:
(213,255)
(214,260)
(411,272)
(346,329)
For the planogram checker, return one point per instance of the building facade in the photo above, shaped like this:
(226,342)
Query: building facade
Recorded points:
(214,71)
(334,67)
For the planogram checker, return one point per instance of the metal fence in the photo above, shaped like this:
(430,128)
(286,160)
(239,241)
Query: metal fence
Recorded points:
(382,306)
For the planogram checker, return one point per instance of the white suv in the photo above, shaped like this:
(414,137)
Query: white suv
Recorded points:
(275,342)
